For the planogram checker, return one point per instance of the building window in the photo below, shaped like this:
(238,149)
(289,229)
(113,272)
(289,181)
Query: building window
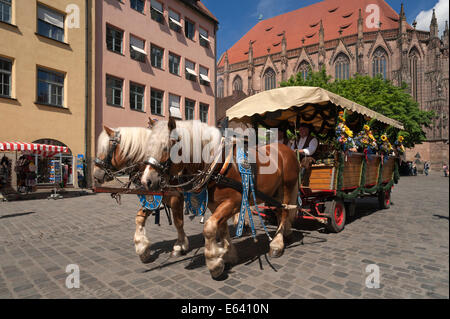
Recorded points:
(137,49)
(220,89)
(114,88)
(204,78)
(379,64)
(413,63)
(189,109)
(204,110)
(303,69)
(5,77)
(237,83)
(189,29)
(269,79)
(50,87)
(138,5)
(204,39)
(157,12)
(50,23)
(114,39)
(190,70)
(157,56)
(137,96)
(174,106)
(174,64)
(156,102)
(174,21)
(5,11)
(342,67)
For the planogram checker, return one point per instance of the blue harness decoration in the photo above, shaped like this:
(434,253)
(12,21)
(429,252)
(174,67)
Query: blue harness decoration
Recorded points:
(150,202)
(196,203)
(247,182)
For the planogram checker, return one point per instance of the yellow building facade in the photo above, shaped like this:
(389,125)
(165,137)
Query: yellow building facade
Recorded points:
(43,67)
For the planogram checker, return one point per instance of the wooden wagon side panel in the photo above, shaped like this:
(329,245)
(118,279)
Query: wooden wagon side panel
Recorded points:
(352,171)
(372,170)
(322,177)
(388,169)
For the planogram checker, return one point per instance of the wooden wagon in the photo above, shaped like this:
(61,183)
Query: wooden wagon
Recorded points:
(335,182)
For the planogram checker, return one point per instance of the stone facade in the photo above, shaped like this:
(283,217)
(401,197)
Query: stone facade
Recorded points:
(398,51)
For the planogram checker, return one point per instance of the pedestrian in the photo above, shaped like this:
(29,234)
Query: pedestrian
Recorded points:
(414,169)
(445,168)
(426,167)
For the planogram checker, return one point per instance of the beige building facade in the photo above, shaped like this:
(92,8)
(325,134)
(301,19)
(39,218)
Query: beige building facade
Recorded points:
(44,80)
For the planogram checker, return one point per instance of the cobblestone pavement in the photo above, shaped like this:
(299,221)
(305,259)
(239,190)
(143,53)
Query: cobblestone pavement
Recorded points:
(408,242)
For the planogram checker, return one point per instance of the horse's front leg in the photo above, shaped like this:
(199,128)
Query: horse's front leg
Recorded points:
(285,218)
(231,256)
(181,246)
(215,252)
(141,242)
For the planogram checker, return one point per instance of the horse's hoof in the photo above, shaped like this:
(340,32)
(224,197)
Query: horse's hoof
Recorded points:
(177,253)
(146,256)
(275,252)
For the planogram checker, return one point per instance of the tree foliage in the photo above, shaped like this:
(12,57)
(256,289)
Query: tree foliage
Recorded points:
(379,95)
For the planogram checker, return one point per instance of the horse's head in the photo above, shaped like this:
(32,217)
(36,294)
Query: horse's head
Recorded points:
(158,162)
(109,157)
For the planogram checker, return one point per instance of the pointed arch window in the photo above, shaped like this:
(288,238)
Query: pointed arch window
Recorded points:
(303,69)
(269,79)
(220,89)
(413,71)
(379,62)
(342,67)
(237,83)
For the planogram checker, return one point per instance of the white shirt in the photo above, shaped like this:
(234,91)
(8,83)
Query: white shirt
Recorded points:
(310,150)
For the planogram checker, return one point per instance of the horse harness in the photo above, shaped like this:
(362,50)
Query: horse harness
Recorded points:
(212,175)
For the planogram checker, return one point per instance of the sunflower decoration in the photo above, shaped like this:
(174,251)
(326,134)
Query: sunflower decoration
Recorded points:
(385,147)
(399,145)
(344,135)
(365,139)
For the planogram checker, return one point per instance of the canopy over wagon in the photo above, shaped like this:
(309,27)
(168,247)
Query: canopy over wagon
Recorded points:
(341,175)
(315,106)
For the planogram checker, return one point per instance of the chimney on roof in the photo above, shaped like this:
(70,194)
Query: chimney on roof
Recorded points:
(250,52)
(434,26)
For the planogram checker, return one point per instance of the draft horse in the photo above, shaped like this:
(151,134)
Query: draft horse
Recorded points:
(224,201)
(125,149)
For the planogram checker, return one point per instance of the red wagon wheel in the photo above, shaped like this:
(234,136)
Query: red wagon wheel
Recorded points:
(335,210)
(384,199)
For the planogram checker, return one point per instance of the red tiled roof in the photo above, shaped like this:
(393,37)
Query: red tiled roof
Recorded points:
(305,23)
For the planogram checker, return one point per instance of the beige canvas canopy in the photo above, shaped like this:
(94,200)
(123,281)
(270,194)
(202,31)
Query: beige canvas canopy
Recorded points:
(315,106)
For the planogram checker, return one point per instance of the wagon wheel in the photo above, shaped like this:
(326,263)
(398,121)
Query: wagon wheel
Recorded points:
(384,199)
(335,211)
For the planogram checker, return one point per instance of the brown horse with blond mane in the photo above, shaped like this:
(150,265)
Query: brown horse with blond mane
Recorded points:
(127,147)
(224,201)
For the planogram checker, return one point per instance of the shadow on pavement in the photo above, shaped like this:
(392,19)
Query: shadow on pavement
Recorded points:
(17,215)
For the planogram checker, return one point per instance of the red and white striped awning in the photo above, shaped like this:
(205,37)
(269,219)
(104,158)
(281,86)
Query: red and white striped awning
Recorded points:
(33,148)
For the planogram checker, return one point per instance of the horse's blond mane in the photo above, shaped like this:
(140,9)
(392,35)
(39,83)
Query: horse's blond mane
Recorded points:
(133,143)
(209,135)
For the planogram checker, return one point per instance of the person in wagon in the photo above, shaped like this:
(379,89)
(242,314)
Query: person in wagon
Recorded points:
(305,146)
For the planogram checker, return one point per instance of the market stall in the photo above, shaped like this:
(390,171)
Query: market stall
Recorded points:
(25,165)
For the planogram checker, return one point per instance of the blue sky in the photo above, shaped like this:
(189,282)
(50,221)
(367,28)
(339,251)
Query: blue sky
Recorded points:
(236,17)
